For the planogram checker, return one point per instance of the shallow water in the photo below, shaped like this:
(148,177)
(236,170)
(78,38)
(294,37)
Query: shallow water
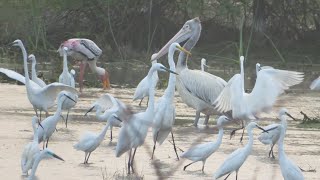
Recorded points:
(301,145)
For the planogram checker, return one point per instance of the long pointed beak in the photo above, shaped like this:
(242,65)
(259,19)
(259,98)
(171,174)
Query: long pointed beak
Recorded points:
(11,44)
(117,118)
(262,129)
(58,157)
(184,50)
(70,98)
(271,129)
(166,69)
(89,110)
(206,65)
(40,124)
(290,116)
(179,37)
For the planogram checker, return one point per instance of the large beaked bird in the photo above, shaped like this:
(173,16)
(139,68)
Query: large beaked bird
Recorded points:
(87,52)
(196,88)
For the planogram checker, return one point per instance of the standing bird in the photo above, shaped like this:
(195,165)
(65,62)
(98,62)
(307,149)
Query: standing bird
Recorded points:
(272,137)
(41,98)
(203,64)
(315,85)
(201,152)
(165,112)
(142,88)
(289,170)
(67,79)
(31,149)
(87,52)
(235,160)
(46,153)
(134,130)
(270,83)
(34,76)
(90,141)
(196,88)
(49,124)
(103,106)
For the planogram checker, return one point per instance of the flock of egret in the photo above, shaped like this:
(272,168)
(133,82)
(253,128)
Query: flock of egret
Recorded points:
(206,93)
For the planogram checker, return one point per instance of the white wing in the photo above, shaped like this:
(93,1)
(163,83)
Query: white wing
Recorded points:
(202,85)
(53,89)
(141,90)
(85,141)
(270,83)
(315,85)
(16,76)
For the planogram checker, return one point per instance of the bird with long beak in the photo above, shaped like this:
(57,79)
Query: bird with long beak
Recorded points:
(87,52)
(198,89)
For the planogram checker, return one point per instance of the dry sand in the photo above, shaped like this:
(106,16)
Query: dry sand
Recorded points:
(301,145)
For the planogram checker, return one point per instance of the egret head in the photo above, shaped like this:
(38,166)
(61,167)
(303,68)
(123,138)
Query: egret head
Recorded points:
(190,29)
(203,61)
(35,121)
(253,125)
(62,96)
(222,120)
(47,153)
(32,58)
(73,72)
(283,112)
(17,42)
(160,67)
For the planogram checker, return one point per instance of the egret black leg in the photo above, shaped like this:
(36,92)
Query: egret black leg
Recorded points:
(140,102)
(237,175)
(242,131)
(131,164)
(206,120)
(47,142)
(174,145)
(148,101)
(227,176)
(204,162)
(67,119)
(85,158)
(110,134)
(40,115)
(195,123)
(129,161)
(154,146)
(272,152)
(185,167)
(88,157)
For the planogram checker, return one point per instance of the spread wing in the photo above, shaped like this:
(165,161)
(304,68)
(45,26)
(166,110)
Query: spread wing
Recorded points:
(18,77)
(315,85)
(202,85)
(270,83)
(52,90)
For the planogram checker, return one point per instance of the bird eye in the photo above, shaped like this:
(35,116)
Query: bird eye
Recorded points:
(186,26)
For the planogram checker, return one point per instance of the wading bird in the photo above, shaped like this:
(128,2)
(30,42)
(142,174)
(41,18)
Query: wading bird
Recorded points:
(196,88)
(49,124)
(201,152)
(90,141)
(34,76)
(289,170)
(31,149)
(235,160)
(142,88)
(46,153)
(67,79)
(103,106)
(134,130)
(270,83)
(272,136)
(165,112)
(203,64)
(315,85)
(87,52)
(41,98)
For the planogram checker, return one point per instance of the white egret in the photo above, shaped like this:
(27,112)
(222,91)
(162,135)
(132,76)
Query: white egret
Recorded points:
(31,149)
(34,76)
(235,160)
(272,136)
(203,64)
(315,85)
(46,153)
(49,124)
(87,52)
(196,88)
(142,89)
(67,79)
(103,106)
(201,152)
(165,112)
(270,83)
(41,98)
(134,130)
(90,141)
(289,170)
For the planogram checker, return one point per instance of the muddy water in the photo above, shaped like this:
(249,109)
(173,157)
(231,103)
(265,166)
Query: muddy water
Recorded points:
(301,145)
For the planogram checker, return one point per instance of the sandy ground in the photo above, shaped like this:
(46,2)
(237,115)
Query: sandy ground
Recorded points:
(301,145)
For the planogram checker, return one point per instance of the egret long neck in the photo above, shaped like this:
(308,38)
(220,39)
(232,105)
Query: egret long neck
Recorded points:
(151,83)
(202,66)
(65,63)
(99,113)
(169,92)
(35,164)
(248,147)
(220,135)
(33,70)
(280,142)
(103,132)
(182,61)
(25,67)
(242,75)
(59,109)
(35,133)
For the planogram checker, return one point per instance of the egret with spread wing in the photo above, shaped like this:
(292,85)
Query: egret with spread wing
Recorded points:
(196,88)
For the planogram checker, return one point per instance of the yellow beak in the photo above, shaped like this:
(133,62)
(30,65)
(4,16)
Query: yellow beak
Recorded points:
(184,50)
